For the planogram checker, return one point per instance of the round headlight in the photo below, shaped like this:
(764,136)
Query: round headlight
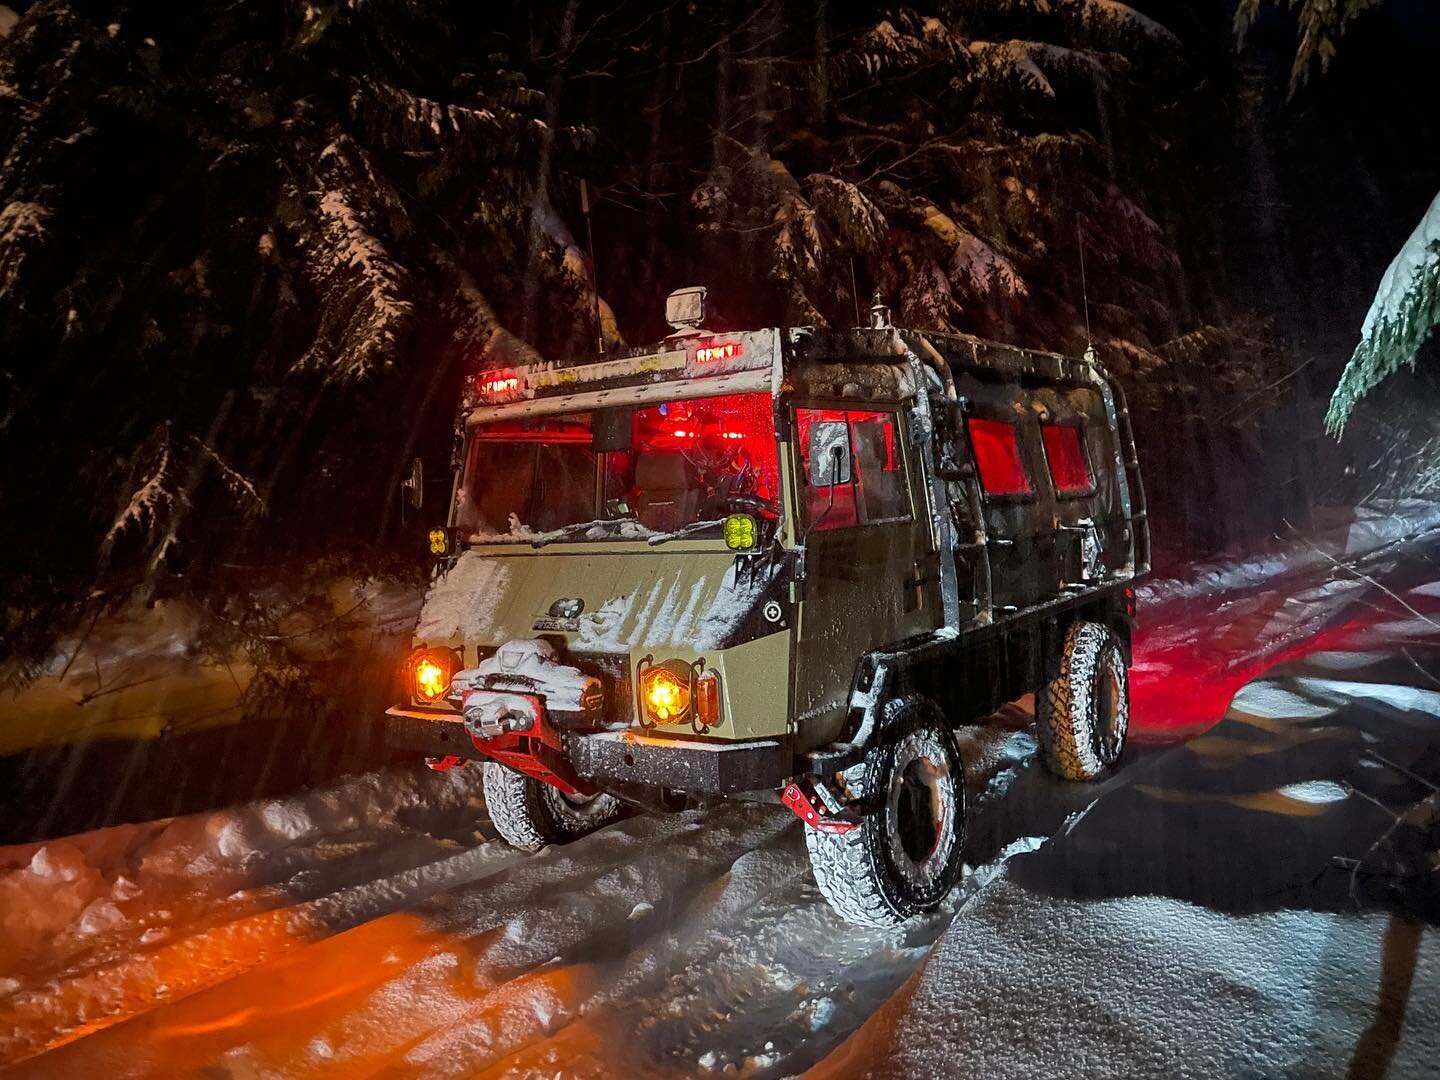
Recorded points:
(430,673)
(666,694)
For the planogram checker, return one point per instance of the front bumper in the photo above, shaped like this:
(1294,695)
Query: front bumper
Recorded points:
(701,767)
(709,768)
(432,732)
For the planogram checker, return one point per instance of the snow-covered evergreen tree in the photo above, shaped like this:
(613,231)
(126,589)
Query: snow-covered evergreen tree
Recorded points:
(249,251)
(1405,311)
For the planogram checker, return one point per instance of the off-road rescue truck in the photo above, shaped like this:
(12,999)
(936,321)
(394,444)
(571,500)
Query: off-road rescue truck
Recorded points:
(780,562)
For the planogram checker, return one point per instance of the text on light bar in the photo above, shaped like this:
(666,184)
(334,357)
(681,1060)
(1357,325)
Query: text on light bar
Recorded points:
(717,351)
(496,383)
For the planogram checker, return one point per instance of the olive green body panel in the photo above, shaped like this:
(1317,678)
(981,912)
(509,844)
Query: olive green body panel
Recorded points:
(866,586)
(687,600)
(635,596)
(754,687)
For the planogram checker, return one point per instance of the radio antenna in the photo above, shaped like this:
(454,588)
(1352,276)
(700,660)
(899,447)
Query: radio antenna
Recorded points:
(1084,292)
(594,268)
(854,292)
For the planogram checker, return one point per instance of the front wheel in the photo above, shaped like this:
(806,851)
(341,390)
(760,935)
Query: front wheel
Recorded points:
(1082,716)
(906,855)
(528,813)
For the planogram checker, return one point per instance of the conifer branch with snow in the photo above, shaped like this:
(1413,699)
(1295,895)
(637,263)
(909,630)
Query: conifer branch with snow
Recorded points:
(1405,311)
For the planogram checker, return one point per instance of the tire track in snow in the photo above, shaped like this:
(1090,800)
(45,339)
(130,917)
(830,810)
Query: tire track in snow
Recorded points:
(661,942)
(68,1008)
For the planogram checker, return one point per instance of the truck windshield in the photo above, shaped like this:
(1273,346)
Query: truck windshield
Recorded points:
(683,463)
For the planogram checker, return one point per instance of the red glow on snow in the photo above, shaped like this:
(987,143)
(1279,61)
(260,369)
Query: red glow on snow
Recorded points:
(716,351)
(1182,681)
(997,456)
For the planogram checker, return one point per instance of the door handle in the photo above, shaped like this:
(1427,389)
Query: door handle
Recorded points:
(916,580)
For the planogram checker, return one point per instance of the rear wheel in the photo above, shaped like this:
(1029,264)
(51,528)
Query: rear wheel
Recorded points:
(906,855)
(1082,716)
(528,814)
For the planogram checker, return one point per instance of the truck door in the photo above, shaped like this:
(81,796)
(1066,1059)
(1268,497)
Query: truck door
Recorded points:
(1018,508)
(870,575)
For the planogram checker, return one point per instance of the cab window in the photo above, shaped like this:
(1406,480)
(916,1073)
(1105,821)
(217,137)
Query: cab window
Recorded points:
(627,472)
(850,468)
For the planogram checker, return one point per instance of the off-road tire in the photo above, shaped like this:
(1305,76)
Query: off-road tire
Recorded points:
(528,814)
(866,874)
(1082,716)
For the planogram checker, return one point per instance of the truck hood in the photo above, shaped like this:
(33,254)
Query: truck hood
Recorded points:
(633,599)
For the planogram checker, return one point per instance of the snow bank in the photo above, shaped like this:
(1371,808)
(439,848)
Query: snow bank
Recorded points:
(1026,985)
(1350,534)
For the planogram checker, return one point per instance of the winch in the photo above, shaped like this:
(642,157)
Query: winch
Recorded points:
(506,692)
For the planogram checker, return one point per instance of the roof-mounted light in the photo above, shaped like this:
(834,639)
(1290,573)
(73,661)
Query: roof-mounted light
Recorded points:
(712,352)
(499,385)
(685,309)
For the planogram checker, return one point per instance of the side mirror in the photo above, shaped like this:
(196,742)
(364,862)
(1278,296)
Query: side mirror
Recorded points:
(829,453)
(414,484)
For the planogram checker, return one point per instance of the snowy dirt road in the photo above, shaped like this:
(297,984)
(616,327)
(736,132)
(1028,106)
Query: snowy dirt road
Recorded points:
(376,927)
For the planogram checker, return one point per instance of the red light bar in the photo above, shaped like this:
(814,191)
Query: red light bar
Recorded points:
(717,351)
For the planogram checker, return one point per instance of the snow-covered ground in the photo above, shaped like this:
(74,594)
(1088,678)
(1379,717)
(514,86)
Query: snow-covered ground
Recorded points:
(378,922)
(1187,914)
(1243,904)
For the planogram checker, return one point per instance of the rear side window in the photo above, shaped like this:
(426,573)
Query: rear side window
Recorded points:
(1065,452)
(858,479)
(997,457)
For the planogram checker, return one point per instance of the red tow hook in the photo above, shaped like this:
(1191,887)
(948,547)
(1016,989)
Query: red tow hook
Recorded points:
(809,810)
(446,763)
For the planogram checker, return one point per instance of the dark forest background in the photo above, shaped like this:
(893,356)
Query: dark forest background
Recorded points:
(248,250)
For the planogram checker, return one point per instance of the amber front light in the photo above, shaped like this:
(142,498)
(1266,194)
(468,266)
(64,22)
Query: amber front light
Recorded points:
(667,695)
(707,699)
(430,674)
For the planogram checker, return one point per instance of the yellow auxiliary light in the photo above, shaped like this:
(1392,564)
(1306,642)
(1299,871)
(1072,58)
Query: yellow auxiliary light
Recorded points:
(667,696)
(439,542)
(430,673)
(741,531)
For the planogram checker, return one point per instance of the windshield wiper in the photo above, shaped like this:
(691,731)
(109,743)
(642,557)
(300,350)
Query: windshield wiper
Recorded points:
(565,532)
(681,533)
(580,528)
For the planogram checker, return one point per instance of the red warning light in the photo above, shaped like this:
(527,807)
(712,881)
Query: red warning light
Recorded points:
(495,384)
(718,350)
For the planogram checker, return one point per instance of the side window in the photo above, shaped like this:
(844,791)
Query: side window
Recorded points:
(877,460)
(997,457)
(858,477)
(1065,453)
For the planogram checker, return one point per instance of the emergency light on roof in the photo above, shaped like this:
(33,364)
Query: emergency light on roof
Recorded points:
(499,384)
(716,351)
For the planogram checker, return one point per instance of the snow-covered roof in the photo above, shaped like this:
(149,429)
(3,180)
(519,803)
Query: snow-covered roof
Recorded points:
(866,363)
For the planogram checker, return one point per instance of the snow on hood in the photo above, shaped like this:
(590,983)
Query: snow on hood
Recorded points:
(463,602)
(674,611)
(632,601)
